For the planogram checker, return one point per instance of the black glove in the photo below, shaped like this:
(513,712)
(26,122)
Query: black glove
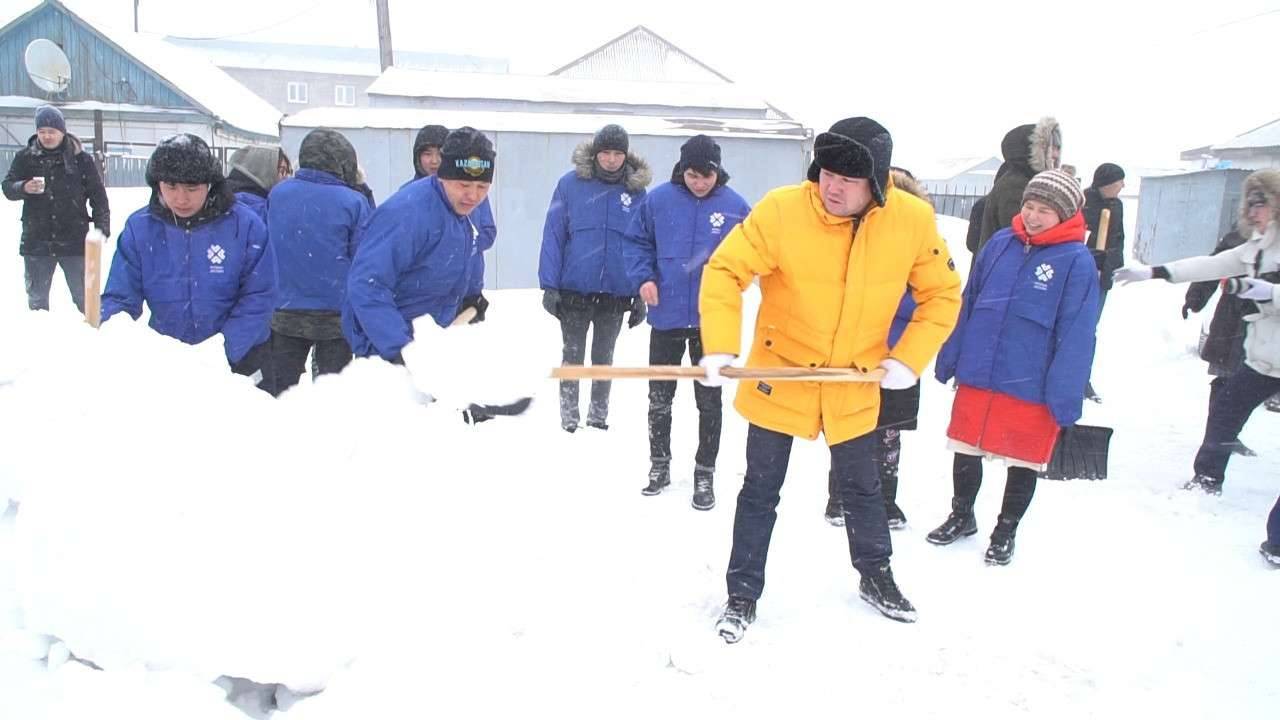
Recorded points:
(105,229)
(551,302)
(478,302)
(1186,310)
(1099,259)
(638,312)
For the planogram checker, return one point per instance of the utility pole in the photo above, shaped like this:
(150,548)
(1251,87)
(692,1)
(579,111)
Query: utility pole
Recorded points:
(384,35)
(135,16)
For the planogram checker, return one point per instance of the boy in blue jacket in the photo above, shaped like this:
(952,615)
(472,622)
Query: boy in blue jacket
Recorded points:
(669,241)
(199,259)
(314,221)
(1020,354)
(413,257)
(581,272)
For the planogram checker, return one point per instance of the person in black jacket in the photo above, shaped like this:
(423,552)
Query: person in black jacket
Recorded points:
(1027,150)
(1223,347)
(1104,194)
(53,177)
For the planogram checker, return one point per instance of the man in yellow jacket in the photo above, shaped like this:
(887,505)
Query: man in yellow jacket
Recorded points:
(833,255)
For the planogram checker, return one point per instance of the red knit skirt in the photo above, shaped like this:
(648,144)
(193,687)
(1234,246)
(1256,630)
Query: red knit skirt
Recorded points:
(1003,425)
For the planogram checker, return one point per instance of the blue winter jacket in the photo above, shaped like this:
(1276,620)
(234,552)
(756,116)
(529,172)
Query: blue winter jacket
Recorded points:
(906,308)
(670,240)
(197,278)
(487,229)
(582,238)
(412,260)
(256,203)
(1026,328)
(314,222)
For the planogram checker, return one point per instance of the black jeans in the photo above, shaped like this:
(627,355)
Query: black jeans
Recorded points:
(1019,486)
(1229,410)
(289,358)
(865,521)
(39,278)
(667,347)
(603,315)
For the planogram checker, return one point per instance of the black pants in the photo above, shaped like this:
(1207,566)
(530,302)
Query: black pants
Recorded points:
(39,278)
(603,315)
(865,522)
(1019,486)
(886,453)
(256,365)
(667,347)
(1229,410)
(289,358)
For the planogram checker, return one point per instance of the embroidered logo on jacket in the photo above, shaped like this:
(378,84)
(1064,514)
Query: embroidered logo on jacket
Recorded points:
(216,257)
(626,201)
(717,222)
(1044,274)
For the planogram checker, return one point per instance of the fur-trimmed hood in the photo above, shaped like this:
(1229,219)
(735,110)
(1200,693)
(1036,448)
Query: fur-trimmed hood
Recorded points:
(908,184)
(1266,182)
(1045,136)
(636,172)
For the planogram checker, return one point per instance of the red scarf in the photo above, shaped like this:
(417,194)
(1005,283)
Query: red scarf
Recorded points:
(1070,231)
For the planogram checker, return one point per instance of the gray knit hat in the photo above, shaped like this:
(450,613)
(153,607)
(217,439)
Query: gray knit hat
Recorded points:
(1058,190)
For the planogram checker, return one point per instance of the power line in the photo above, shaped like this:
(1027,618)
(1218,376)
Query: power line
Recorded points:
(264,28)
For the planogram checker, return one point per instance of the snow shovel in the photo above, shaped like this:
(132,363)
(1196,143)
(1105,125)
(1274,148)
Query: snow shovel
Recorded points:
(686,372)
(1080,454)
(93,278)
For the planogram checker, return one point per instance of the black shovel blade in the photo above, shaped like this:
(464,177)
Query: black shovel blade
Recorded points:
(476,413)
(1080,454)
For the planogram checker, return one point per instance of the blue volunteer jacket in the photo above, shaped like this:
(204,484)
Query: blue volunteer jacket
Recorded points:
(314,221)
(412,260)
(256,203)
(1027,325)
(670,240)
(198,278)
(487,233)
(582,238)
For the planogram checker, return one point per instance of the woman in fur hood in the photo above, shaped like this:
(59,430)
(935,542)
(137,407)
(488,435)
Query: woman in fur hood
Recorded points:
(1256,264)
(1028,149)
(581,269)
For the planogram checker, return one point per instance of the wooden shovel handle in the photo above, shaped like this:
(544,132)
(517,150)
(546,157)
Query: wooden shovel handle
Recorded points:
(1104,224)
(685,372)
(92,281)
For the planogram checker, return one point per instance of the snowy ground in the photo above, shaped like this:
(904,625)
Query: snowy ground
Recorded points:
(172,525)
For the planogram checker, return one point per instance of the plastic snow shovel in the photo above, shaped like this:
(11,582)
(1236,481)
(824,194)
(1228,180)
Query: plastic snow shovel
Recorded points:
(686,372)
(1080,454)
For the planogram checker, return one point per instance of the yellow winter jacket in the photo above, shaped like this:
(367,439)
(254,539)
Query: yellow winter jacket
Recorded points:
(828,299)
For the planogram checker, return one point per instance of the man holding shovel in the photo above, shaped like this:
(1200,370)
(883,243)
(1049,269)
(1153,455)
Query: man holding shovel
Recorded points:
(833,255)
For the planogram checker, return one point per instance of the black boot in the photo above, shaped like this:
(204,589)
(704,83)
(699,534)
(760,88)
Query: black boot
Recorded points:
(704,496)
(835,509)
(738,613)
(1270,553)
(1204,483)
(960,523)
(882,593)
(659,477)
(1000,551)
(1239,448)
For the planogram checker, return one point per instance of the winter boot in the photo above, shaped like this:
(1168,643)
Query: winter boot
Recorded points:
(568,426)
(1271,553)
(598,424)
(882,593)
(738,613)
(659,477)
(1239,448)
(1000,551)
(1090,393)
(897,518)
(704,496)
(1273,403)
(960,523)
(835,509)
(1204,483)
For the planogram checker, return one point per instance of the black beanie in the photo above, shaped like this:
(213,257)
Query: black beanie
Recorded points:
(611,137)
(1106,174)
(430,136)
(856,147)
(702,155)
(49,116)
(183,158)
(330,151)
(467,155)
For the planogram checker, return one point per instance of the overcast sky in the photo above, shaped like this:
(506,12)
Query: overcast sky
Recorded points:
(1131,82)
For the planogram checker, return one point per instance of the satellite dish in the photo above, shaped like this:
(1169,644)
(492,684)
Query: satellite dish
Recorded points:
(48,66)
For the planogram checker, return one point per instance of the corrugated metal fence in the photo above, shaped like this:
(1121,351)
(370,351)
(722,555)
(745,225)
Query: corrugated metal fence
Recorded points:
(954,200)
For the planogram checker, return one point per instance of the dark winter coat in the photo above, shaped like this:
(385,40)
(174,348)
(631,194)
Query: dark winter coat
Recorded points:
(669,242)
(582,238)
(55,222)
(1223,349)
(1026,329)
(1094,204)
(975,224)
(314,223)
(412,260)
(199,276)
(1027,151)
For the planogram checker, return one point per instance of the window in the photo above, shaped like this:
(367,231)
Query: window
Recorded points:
(298,93)
(344,94)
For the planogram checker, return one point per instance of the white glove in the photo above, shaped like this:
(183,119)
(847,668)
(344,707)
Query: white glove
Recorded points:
(1255,289)
(1131,274)
(897,376)
(712,364)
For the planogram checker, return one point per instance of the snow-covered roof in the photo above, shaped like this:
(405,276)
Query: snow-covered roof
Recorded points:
(1267,136)
(327,59)
(640,54)
(540,122)
(26,102)
(951,167)
(204,84)
(402,82)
